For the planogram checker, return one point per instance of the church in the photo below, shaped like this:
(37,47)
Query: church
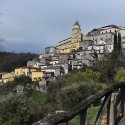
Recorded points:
(72,43)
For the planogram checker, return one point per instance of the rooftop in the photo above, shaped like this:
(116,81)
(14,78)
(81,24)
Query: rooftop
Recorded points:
(76,23)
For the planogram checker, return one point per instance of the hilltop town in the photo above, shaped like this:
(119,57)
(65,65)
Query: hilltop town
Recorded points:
(71,53)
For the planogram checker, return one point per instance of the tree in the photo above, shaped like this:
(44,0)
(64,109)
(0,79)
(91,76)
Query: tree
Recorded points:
(120,75)
(71,95)
(23,80)
(17,110)
(115,41)
(107,69)
(87,75)
(24,83)
(9,61)
(115,47)
(119,46)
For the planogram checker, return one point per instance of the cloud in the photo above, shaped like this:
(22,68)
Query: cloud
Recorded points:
(36,24)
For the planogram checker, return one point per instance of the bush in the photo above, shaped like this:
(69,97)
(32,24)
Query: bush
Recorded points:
(120,75)
(72,95)
(18,110)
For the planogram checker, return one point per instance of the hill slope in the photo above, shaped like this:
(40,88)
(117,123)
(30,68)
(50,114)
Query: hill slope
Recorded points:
(9,61)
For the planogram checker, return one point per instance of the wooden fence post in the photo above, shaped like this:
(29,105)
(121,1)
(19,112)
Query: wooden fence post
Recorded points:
(101,110)
(83,117)
(110,110)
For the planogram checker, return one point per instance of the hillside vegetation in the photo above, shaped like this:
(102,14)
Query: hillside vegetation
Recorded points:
(9,61)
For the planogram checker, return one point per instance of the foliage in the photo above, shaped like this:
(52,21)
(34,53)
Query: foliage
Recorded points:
(18,110)
(119,45)
(38,97)
(73,88)
(115,41)
(120,75)
(70,96)
(9,61)
(78,76)
(107,69)
(116,54)
(24,82)
(51,92)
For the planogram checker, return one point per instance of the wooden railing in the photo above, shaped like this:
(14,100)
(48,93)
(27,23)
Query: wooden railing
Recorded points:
(113,104)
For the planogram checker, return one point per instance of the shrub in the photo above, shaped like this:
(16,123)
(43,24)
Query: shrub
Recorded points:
(72,95)
(120,75)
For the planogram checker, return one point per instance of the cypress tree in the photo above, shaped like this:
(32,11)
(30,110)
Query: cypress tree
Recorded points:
(119,44)
(115,48)
(115,42)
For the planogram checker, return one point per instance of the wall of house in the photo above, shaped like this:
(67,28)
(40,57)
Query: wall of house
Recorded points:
(107,30)
(8,77)
(85,44)
(56,71)
(37,75)
(108,38)
(24,71)
(19,72)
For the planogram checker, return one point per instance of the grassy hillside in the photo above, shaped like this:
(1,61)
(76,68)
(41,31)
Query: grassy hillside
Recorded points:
(9,61)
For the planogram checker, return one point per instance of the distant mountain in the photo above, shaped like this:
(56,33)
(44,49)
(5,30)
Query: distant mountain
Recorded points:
(9,60)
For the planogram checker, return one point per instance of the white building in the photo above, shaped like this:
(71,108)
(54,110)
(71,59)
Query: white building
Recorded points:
(55,70)
(105,35)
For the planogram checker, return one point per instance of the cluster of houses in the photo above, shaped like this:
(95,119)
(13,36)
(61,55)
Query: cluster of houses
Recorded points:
(69,54)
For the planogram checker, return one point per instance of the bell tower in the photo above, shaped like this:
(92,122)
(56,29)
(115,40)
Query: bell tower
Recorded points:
(76,32)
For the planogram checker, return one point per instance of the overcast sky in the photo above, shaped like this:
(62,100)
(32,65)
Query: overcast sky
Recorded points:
(31,25)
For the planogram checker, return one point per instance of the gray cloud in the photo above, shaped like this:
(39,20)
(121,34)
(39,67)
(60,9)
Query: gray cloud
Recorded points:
(30,25)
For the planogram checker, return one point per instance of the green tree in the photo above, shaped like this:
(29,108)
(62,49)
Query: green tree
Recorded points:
(115,41)
(9,60)
(119,46)
(120,75)
(17,110)
(70,96)
(115,47)
(22,80)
